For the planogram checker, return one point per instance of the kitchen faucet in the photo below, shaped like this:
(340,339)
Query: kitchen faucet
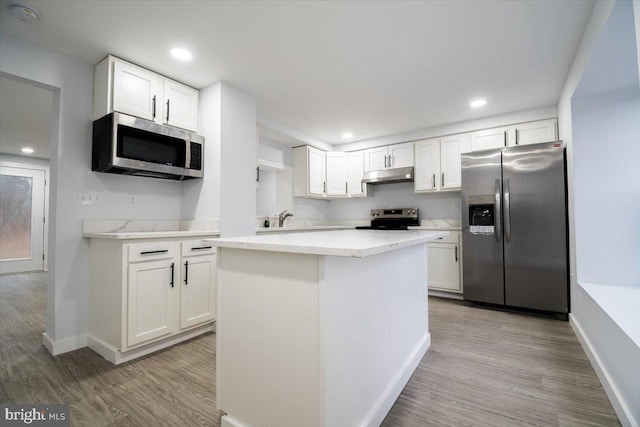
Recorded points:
(283,215)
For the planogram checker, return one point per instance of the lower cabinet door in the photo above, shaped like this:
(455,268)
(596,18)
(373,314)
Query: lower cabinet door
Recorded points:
(151,300)
(198,290)
(444,267)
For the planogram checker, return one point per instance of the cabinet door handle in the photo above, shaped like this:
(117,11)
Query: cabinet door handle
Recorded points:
(433,181)
(172,270)
(153,107)
(390,158)
(186,273)
(456,253)
(257,173)
(168,110)
(385,161)
(442,180)
(516,136)
(504,141)
(324,186)
(154,252)
(346,188)
(200,248)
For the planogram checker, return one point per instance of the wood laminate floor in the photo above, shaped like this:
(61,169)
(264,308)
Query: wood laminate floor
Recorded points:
(484,368)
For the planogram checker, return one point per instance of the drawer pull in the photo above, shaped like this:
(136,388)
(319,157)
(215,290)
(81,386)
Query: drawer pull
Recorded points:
(200,248)
(154,252)
(186,273)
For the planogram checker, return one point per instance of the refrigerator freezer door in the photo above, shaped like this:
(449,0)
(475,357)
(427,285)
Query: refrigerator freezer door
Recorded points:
(535,227)
(483,278)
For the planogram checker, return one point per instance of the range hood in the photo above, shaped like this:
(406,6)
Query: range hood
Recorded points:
(388,176)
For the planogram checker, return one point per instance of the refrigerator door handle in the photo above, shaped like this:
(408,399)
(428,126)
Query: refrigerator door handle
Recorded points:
(498,216)
(507,210)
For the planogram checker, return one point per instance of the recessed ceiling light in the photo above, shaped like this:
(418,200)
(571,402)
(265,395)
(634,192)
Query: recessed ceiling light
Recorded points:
(181,54)
(347,135)
(24,13)
(476,103)
(27,150)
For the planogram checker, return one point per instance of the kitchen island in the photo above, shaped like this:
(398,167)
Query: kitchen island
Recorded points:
(319,329)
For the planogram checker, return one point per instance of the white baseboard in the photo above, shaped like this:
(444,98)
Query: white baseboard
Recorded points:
(63,346)
(391,394)
(115,356)
(620,407)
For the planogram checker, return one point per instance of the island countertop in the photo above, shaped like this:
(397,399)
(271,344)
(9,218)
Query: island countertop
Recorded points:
(344,243)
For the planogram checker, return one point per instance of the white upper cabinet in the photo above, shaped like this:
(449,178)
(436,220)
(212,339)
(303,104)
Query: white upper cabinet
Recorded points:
(309,172)
(129,89)
(390,156)
(489,138)
(437,163)
(135,90)
(356,171)
(376,158)
(180,107)
(337,174)
(427,167)
(533,132)
(450,167)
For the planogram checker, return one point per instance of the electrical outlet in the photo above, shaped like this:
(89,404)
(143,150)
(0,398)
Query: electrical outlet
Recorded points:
(132,200)
(96,198)
(84,198)
(455,206)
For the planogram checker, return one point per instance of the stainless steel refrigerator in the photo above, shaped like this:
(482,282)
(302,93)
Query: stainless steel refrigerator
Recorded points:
(514,227)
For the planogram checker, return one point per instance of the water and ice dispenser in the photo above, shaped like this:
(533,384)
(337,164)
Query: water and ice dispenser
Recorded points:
(482,214)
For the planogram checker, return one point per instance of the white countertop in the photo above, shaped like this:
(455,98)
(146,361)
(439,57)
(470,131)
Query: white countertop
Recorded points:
(348,243)
(303,228)
(150,234)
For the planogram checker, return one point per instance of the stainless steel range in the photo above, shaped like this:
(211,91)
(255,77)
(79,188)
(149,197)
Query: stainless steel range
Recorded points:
(392,219)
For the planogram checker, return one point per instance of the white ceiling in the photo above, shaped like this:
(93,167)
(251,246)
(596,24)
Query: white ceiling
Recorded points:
(375,68)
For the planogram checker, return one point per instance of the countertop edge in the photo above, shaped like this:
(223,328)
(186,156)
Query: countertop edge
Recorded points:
(139,235)
(297,248)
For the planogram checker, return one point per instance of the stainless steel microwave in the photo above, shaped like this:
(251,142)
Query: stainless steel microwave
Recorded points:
(131,146)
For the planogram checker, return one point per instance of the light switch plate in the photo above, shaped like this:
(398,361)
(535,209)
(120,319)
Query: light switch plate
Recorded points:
(132,200)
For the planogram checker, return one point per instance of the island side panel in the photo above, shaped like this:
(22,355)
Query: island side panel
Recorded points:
(267,338)
(374,332)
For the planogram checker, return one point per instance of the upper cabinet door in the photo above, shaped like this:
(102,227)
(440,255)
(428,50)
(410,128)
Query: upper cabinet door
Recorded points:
(534,132)
(427,168)
(375,159)
(180,105)
(356,172)
(337,174)
(137,91)
(488,139)
(317,172)
(450,148)
(401,155)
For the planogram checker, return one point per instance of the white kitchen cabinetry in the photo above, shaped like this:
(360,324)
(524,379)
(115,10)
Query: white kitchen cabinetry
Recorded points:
(147,295)
(390,156)
(127,88)
(309,172)
(337,174)
(533,132)
(356,172)
(437,163)
(445,261)
(489,138)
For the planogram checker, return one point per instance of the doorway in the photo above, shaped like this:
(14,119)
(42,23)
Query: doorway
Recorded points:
(22,217)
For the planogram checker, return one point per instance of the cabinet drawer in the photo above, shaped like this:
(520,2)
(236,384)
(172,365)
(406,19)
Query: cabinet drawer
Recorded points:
(152,251)
(195,247)
(453,237)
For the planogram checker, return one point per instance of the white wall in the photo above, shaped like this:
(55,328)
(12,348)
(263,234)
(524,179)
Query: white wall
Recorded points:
(606,131)
(67,287)
(238,170)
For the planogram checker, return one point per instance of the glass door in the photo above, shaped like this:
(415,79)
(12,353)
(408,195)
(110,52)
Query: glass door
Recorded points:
(21,219)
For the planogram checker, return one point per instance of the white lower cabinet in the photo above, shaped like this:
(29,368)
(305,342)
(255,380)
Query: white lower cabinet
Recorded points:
(148,295)
(445,262)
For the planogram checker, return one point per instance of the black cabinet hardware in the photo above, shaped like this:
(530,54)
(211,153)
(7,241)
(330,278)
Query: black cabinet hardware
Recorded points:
(154,252)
